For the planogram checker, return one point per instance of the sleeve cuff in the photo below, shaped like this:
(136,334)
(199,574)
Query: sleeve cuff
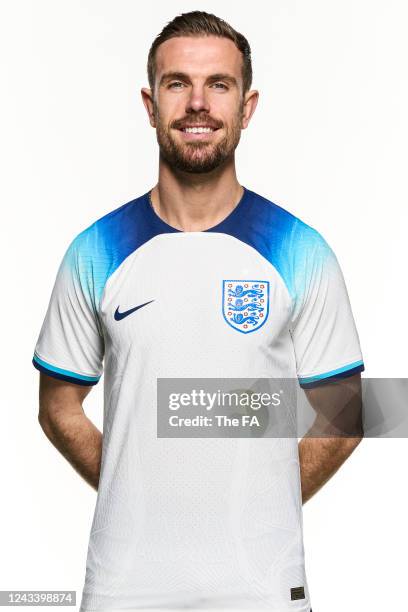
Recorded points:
(308,382)
(61,374)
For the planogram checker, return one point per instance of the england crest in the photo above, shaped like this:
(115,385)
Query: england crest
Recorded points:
(245,304)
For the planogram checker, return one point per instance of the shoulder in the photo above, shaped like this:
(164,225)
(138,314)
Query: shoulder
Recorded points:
(111,231)
(284,229)
(295,248)
(96,252)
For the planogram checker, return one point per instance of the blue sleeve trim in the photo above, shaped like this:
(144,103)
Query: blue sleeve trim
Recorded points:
(62,374)
(309,382)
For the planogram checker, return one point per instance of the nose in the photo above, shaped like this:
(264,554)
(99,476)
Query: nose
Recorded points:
(197,100)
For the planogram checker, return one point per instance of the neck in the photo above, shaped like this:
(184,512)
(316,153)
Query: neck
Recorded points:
(195,202)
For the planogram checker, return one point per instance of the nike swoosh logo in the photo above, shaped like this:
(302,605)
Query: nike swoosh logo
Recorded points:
(121,315)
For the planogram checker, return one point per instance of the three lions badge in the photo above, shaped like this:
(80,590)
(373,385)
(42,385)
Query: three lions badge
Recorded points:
(245,304)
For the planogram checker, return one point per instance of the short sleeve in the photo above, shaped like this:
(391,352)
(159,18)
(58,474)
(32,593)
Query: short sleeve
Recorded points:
(324,333)
(70,346)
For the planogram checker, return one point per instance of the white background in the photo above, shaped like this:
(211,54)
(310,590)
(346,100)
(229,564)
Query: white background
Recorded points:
(328,142)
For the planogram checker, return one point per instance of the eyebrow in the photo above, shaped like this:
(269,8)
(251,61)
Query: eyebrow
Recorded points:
(182,76)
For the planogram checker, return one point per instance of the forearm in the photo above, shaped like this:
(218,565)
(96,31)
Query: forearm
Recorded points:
(320,458)
(78,440)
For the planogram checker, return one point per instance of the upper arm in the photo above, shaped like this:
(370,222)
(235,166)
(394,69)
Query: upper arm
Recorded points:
(70,347)
(57,396)
(338,405)
(324,333)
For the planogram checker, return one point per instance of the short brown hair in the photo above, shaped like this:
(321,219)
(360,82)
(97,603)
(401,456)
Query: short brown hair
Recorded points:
(200,23)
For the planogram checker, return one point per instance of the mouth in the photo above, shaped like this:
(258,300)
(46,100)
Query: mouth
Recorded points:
(197,132)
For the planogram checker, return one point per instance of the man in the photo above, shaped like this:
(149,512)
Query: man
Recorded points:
(199,277)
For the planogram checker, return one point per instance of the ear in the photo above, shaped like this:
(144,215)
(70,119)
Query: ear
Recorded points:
(250,102)
(147,97)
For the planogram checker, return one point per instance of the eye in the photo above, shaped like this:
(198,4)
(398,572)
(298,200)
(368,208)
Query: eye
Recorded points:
(223,86)
(171,86)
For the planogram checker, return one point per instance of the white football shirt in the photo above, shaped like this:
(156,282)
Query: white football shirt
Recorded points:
(196,522)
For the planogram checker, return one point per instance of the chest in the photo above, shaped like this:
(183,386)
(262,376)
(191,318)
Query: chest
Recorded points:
(195,289)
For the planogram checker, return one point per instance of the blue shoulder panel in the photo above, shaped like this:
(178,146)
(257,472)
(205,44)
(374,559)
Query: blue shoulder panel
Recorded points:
(283,239)
(101,248)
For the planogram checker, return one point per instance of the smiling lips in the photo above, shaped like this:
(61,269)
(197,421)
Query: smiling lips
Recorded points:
(197,131)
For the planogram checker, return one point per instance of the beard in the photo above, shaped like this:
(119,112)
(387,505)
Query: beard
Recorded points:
(197,157)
